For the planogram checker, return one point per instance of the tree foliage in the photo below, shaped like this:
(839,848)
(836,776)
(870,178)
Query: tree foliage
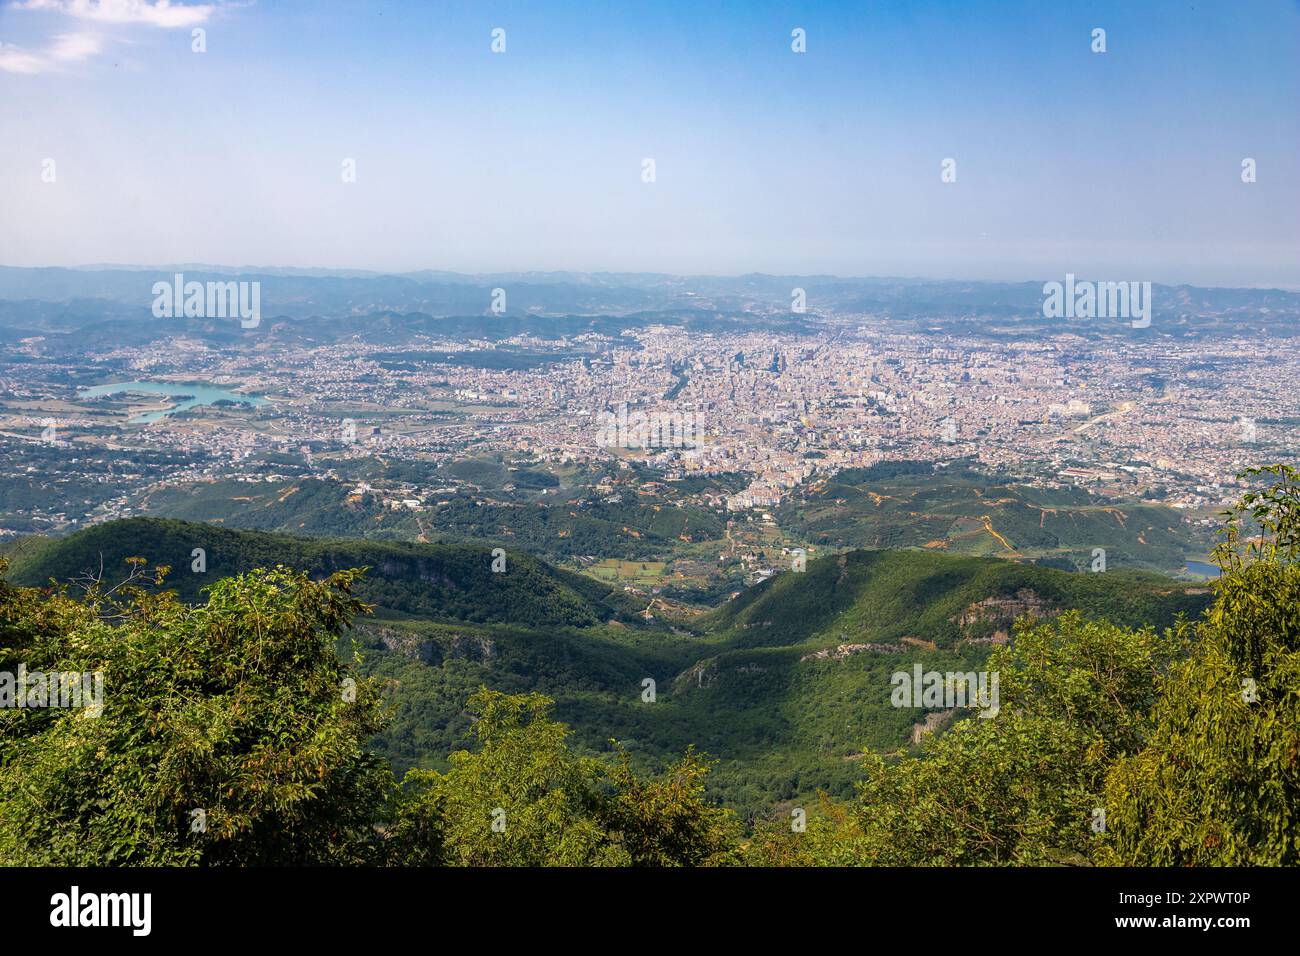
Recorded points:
(232,733)
(524,799)
(227,733)
(1016,788)
(1218,782)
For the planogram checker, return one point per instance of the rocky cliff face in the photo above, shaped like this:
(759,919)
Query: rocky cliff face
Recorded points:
(434,650)
(701,674)
(989,621)
(930,724)
(847,650)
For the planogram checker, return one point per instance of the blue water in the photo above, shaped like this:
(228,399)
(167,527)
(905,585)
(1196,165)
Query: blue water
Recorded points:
(196,394)
(1202,569)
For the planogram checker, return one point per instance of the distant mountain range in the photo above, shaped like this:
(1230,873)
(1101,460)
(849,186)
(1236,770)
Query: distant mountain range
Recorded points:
(87,308)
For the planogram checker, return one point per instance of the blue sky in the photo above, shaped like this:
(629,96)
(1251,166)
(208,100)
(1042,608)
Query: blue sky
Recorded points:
(1123,165)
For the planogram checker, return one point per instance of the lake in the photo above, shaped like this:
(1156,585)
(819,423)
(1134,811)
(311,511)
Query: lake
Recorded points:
(1203,569)
(189,395)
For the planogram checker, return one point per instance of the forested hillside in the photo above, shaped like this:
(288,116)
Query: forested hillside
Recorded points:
(626,528)
(960,510)
(787,685)
(439,582)
(1110,744)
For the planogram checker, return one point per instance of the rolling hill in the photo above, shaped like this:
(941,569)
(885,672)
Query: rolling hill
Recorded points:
(555,527)
(785,686)
(437,582)
(965,511)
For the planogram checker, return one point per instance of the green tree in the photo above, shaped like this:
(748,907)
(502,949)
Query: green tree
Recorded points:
(1218,782)
(230,734)
(1017,788)
(667,821)
(521,800)
(524,799)
(830,836)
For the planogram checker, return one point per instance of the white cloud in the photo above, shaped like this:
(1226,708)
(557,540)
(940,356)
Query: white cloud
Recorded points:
(16,60)
(75,46)
(66,48)
(72,47)
(159,13)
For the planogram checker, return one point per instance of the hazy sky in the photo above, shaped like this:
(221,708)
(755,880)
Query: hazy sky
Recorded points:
(1122,165)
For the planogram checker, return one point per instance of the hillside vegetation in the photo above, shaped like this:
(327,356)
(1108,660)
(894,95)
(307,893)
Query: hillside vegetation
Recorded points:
(441,582)
(239,731)
(556,526)
(786,686)
(960,510)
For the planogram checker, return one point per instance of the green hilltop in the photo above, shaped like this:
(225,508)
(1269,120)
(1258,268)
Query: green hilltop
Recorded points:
(440,582)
